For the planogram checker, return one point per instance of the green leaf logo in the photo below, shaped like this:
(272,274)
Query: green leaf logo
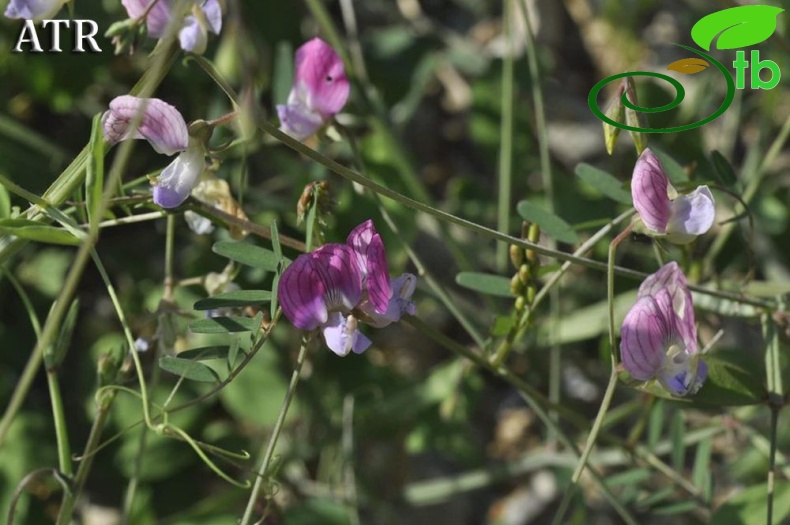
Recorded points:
(736,27)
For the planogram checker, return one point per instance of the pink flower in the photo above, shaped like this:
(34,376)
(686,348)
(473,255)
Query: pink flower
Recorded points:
(663,212)
(319,91)
(338,285)
(193,33)
(165,129)
(658,336)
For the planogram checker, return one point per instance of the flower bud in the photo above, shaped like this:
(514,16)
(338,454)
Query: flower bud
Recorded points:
(516,255)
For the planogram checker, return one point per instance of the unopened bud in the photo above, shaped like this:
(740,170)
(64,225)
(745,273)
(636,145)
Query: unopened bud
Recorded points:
(520,303)
(534,233)
(616,112)
(531,295)
(635,118)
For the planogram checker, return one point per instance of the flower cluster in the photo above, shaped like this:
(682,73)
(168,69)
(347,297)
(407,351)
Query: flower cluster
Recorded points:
(205,16)
(319,91)
(679,218)
(165,129)
(338,285)
(659,335)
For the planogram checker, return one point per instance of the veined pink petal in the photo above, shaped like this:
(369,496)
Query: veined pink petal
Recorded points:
(315,284)
(691,215)
(158,17)
(161,124)
(33,9)
(671,278)
(372,261)
(649,189)
(177,180)
(320,69)
(643,336)
(301,294)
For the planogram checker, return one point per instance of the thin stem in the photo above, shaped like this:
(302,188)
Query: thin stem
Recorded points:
(772,464)
(505,138)
(268,452)
(61,432)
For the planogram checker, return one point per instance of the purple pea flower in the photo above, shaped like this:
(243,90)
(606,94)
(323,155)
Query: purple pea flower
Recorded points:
(193,33)
(338,285)
(659,337)
(319,91)
(165,129)
(33,9)
(680,218)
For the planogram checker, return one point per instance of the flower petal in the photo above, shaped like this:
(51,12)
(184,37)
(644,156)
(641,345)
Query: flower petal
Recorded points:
(197,223)
(649,189)
(213,12)
(298,121)
(343,336)
(671,278)
(692,214)
(176,181)
(320,69)
(158,17)
(339,275)
(33,9)
(161,124)
(193,36)
(643,336)
(372,261)
(399,304)
(300,293)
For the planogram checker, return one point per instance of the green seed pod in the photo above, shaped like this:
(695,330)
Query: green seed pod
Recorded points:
(524,273)
(520,303)
(516,255)
(531,295)
(516,286)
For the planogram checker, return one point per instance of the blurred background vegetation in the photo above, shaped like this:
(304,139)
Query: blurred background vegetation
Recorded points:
(409,432)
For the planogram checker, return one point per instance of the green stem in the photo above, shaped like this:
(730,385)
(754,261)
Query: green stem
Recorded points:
(505,139)
(61,432)
(103,411)
(268,452)
(772,464)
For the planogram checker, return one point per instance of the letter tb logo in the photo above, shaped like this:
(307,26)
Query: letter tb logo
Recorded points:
(756,66)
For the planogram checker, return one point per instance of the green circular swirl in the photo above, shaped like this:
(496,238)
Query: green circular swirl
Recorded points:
(680,94)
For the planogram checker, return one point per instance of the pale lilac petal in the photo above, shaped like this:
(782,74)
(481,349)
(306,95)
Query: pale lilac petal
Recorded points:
(372,262)
(343,336)
(692,214)
(213,12)
(399,304)
(298,121)
(301,294)
(177,180)
(161,124)
(320,69)
(684,375)
(193,36)
(649,189)
(33,9)
(643,336)
(158,17)
(197,223)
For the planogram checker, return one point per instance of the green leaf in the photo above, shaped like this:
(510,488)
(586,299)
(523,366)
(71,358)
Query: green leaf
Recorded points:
(247,254)
(283,75)
(677,434)
(5,203)
(485,283)
(234,299)
(604,182)
(736,27)
(723,170)
(278,252)
(188,369)
(204,353)
(749,506)
(35,231)
(549,223)
(324,511)
(701,473)
(221,325)
(675,508)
